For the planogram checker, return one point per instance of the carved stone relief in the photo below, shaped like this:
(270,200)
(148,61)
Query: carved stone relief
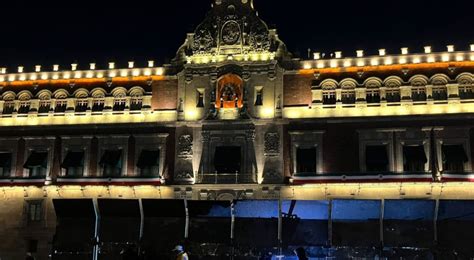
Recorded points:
(185,146)
(272,144)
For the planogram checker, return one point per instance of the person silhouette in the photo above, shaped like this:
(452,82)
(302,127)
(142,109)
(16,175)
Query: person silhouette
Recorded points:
(301,254)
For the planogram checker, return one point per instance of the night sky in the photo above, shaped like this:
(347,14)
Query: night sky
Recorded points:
(87,31)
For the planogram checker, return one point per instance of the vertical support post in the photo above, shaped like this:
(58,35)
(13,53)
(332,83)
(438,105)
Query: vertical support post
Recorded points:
(95,250)
(142,218)
(280,226)
(382,216)
(186,226)
(232,227)
(330,222)
(435,222)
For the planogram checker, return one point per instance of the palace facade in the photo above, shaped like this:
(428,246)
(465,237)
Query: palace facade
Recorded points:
(86,151)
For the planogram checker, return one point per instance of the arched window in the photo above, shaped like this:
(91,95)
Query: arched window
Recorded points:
(9,104)
(466,86)
(418,89)
(440,91)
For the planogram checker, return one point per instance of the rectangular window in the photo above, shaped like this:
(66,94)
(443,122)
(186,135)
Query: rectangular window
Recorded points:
(119,104)
(306,160)
(81,105)
(329,97)
(454,158)
(200,98)
(440,93)
(98,105)
(5,164)
(111,163)
(136,103)
(418,94)
(37,164)
(376,158)
(466,92)
(24,107)
(393,95)
(61,106)
(228,159)
(73,163)
(259,96)
(8,107)
(348,97)
(34,210)
(373,96)
(414,158)
(149,162)
(44,106)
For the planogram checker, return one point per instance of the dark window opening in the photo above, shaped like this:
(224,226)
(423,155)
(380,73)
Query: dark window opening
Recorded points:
(60,107)
(74,163)
(259,97)
(148,163)
(32,246)
(120,105)
(37,164)
(200,99)
(5,164)
(373,96)
(81,106)
(44,108)
(440,93)
(418,94)
(329,98)
(466,92)
(393,96)
(454,158)
(306,160)
(136,104)
(24,108)
(376,158)
(414,158)
(8,108)
(348,97)
(227,159)
(111,162)
(98,106)
(34,211)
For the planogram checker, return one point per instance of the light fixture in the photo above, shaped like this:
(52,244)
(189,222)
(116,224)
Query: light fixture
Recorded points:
(472,47)
(450,48)
(405,51)
(131,64)
(111,65)
(382,52)
(360,53)
(317,55)
(151,64)
(428,49)
(20,69)
(3,70)
(55,67)
(38,68)
(338,54)
(92,66)
(74,66)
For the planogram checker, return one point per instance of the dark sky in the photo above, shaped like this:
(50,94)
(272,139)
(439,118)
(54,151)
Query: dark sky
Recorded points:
(97,31)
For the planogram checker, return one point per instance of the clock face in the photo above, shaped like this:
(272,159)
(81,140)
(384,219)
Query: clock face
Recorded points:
(231,33)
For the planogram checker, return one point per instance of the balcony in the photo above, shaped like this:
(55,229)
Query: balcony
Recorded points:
(107,181)
(224,178)
(7,181)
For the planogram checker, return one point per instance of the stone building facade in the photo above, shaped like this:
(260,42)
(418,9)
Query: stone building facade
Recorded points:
(234,117)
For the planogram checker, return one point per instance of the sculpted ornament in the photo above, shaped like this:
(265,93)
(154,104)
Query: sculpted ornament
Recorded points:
(272,144)
(231,33)
(203,41)
(185,146)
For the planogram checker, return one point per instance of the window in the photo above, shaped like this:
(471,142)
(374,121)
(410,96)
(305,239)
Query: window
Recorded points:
(348,96)
(61,106)
(227,159)
(373,96)
(306,161)
(8,107)
(136,103)
(5,164)
(440,93)
(44,106)
(34,210)
(376,158)
(200,98)
(98,105)
(259,96)
(454,158)
(73,163)
(329,97)
(418,94)
(37,164)
(392,95)
(81,105)
(120,104)
(24,107)
(466,92)
(148,163)
(414,158)
(111,163)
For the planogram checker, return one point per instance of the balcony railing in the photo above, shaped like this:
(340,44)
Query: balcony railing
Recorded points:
(118,181)
(22,181)
(224,178)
